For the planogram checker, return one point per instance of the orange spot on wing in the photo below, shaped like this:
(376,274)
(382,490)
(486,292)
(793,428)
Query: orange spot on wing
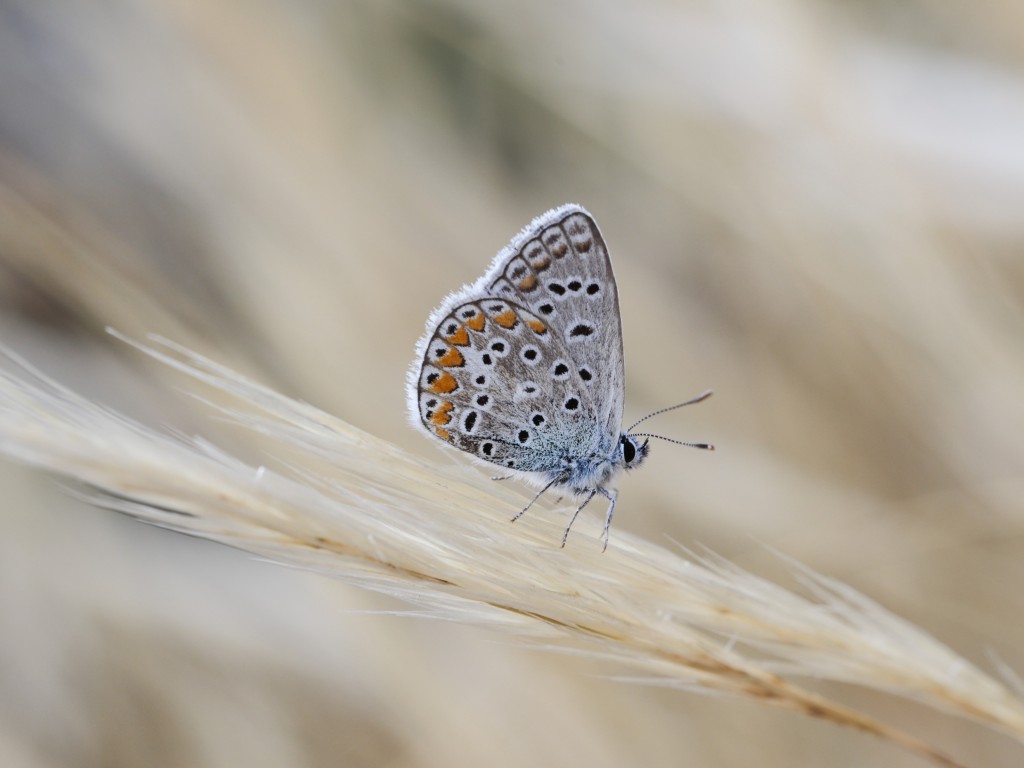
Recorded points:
(584,246)
(451,358)
(444,434)
(538,258)
(477,322)
(528,283)
(506,319)
(460,338)
(443,414)
(537,326)
(444,384)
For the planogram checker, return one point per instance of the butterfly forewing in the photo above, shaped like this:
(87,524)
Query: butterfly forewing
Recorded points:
(560,269)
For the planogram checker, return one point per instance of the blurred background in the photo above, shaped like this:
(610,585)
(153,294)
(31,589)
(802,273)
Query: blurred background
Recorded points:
(813,208)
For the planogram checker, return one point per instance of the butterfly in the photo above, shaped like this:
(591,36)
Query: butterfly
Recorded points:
(524,368)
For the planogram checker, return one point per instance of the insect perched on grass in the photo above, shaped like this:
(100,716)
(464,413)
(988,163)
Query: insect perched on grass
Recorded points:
(524,369)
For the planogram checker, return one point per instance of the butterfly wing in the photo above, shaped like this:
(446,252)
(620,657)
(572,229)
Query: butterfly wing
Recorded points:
(559,268)
(524,367)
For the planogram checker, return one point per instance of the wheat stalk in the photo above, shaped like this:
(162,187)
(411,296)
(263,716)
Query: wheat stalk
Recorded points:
(355,508)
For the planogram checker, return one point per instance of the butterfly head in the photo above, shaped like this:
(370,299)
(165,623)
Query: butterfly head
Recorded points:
(632,451)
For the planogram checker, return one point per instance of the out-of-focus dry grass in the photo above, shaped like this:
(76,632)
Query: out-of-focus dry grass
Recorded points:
(813,209)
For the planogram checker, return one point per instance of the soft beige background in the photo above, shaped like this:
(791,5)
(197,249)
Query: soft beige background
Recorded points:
(813,208)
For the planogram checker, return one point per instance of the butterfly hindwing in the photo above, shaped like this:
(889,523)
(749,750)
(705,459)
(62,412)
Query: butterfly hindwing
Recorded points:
(496,383)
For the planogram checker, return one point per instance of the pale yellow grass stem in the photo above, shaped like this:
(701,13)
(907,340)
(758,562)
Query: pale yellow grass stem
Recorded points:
(347,505)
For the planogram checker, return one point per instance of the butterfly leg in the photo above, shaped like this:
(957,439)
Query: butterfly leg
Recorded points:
(611,512)
(565,535)
(502,477)
(537,496)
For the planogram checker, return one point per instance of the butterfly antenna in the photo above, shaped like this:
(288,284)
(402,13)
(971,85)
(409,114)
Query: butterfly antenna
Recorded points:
(702,446)
(699,398)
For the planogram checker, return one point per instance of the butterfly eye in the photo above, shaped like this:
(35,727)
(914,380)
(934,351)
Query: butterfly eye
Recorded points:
(628,449)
